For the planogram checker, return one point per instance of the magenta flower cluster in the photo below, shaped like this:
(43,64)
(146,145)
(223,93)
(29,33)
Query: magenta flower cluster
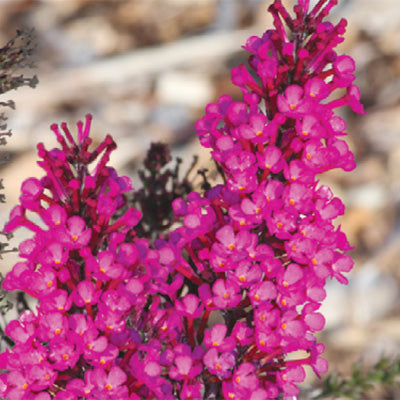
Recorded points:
(215,308)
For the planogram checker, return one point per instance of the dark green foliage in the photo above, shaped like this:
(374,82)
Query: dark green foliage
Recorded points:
(384,373)
(5,306)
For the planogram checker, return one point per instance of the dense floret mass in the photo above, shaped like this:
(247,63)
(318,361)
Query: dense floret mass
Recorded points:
(94,280)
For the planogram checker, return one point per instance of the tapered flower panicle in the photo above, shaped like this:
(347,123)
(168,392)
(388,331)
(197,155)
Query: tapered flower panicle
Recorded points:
(93,277)
(270,242)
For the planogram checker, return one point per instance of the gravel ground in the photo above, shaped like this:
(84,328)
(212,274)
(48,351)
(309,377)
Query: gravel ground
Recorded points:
(147,68)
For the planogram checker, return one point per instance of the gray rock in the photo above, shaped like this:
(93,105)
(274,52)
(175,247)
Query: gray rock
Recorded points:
(373,294)
(381,129)
(335,307)
(372,195)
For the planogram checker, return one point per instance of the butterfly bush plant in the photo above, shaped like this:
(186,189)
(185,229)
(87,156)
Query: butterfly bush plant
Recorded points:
(15,56)
(223,303)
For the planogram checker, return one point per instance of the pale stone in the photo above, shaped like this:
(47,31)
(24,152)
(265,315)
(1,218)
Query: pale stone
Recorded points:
(373,294)
(194,90)
(335,307)
(371,196)
(382,128)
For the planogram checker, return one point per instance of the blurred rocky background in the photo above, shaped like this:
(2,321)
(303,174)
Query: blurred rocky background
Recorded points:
(146,69)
